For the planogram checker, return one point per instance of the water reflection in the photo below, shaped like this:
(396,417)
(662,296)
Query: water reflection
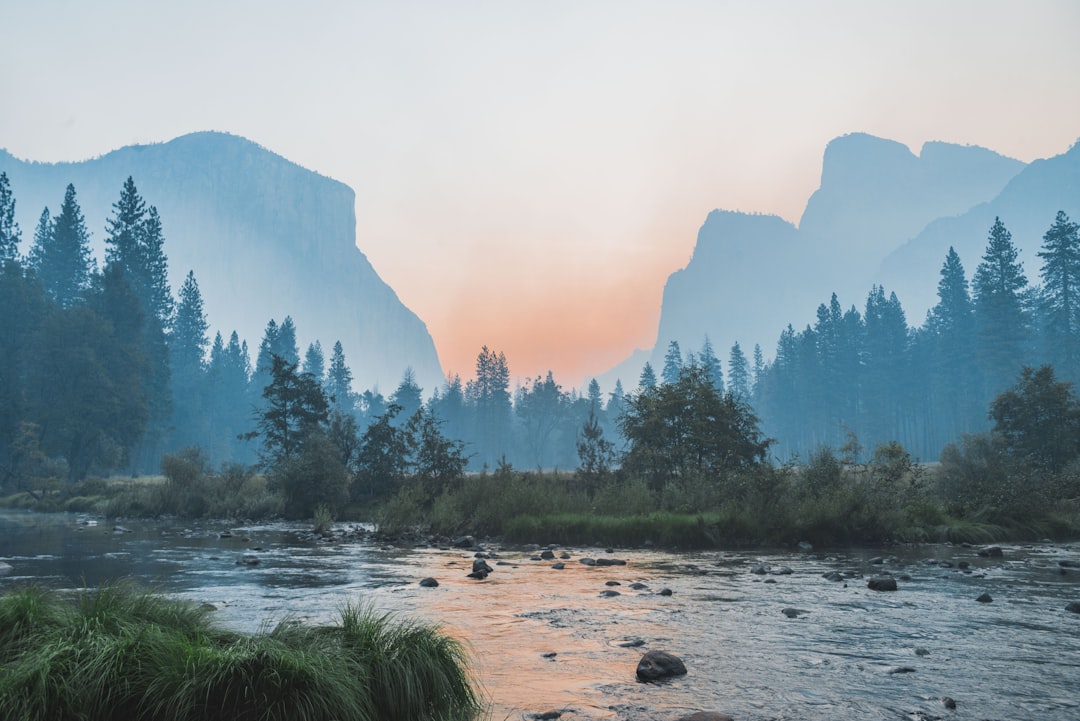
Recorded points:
(545,639)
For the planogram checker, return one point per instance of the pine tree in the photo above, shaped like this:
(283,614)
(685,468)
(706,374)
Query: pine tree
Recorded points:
(10,235)
(339,381)
(647,380)
(673,363)
(286,342)
(61,254)
(1002,321)
(187,350)
(408,395)
(1061,295)
(489,395)
(739,374)
(950,329)
(315,362)
(710,365)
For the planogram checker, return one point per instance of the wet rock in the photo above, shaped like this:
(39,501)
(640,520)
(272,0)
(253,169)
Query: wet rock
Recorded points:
(833,576)
(547,555)
(120,529)
(760,569)
(948,703)
(612,583)
(1067,563)
(963,564)
(564,556)
(631,643)
(793,612)
(545,716)
(985,598)
(991,552)
(208,607)
(609,593)
(1073,607)
(248,559)
(638,586)
(610,562)
(920,651)
(783,571)
(881,583)
(902,669)
(5,568)
(706,716)
(225,534)
(656,665)
(480,565)
(549,654)
(463,542)
(665,591)
(876,561)
(558,566)
(429,582)
(587,561)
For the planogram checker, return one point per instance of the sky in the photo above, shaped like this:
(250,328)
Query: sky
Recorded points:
(528,174)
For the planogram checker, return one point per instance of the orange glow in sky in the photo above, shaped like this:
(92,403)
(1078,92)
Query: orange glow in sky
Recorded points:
(528,174)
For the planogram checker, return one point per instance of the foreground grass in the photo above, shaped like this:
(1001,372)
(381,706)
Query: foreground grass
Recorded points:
(124,653)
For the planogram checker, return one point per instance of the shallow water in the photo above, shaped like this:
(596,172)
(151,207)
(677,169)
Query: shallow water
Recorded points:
(840,657)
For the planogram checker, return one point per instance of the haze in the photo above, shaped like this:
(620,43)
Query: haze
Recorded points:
(529,174)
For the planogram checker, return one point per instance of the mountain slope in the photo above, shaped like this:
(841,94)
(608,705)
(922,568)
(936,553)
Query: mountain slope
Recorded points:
(265,237)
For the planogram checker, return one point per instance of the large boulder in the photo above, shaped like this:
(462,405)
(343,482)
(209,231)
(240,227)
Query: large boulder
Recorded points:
(656,665)
(881,583)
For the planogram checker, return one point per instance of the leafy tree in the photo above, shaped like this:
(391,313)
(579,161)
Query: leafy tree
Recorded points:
(435,461)
(1039,420)
(383,459)
(1002,321)
(739,374)
(687,428)
(315,477)
(61,253)
(295,408)
(596,454)
(10,235)
(1061,294)
(673,363)
(541,406)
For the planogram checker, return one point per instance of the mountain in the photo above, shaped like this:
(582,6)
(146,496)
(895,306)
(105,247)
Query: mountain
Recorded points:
(265,237)
(752,275)
(1027,206)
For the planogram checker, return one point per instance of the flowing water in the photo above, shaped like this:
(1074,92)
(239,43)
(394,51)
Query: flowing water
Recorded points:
(757,645)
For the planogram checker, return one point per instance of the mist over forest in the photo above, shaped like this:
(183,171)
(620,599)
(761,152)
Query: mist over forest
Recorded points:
(111,362)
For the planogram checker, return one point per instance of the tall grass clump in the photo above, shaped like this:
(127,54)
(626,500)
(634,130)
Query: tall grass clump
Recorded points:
(125,653)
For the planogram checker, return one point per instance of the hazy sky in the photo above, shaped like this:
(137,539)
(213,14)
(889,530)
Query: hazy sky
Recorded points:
(529,173)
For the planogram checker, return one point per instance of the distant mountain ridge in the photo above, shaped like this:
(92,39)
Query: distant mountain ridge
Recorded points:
(265,237)
(752,275)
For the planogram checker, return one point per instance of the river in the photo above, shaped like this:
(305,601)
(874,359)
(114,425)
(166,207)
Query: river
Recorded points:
(757,645)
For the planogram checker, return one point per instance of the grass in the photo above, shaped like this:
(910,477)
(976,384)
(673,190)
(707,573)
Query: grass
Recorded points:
(125,653)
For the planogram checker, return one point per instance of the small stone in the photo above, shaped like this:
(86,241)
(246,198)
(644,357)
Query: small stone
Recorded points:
(948,702)
(612,583)
(248,559)
(608,593)
(792,612)
(429,582)
(991,552)
(922,651)
(985,598)
(558,566)
(549,654)
(632,643)
(666,592)
(902,669)
(638,586)
(1073,607)
(587,561)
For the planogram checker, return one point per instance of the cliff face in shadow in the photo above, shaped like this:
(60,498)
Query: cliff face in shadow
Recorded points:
(265,237)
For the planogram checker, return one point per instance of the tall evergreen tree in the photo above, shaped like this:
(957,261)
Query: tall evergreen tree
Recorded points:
(739,374)
(647,380)
(315,362)
(10,235)
(759,372)
(286,342)
(950,328)
(710,365)
(61,255)
(1061,296)
(408,395)
(673,363)
(339,381)
(1002,321)
(187,351)
(885,382)
(489,395)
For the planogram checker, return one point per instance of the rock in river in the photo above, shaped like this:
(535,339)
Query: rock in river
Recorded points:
(1073,607)
(655,665)
(706,716)
(429,582)
(985,598)
(881,583)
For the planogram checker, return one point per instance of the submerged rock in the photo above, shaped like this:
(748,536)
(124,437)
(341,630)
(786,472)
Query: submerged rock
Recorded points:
(793,612)
(610,562)
(706,716)
(656,665)
(429,582)
(609,593)
(991,552)
(248,559)
(1073,607)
